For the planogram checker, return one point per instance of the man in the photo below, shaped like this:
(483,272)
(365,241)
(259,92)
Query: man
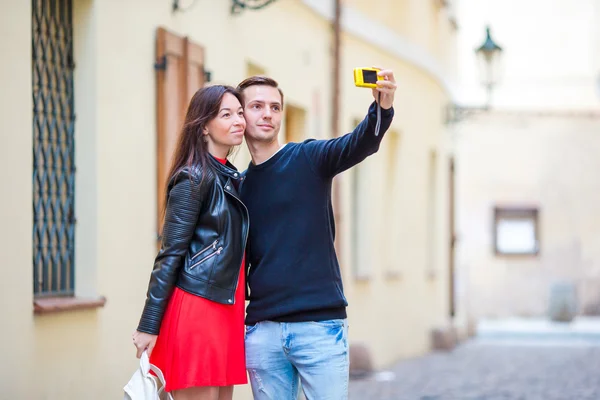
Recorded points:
(296,327)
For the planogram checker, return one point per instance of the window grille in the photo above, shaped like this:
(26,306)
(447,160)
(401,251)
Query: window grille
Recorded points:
(53,148)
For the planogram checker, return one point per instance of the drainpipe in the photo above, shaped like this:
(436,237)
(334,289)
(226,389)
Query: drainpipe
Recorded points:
(335,116)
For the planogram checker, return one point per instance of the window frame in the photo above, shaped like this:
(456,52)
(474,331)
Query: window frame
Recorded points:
(516,213)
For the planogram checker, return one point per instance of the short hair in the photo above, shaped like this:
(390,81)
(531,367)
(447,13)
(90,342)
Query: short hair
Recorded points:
(259,80)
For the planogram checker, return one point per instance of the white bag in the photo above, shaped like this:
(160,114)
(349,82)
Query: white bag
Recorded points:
(143,386)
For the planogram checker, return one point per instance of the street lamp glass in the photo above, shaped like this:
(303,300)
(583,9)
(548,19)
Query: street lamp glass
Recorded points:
(489,55)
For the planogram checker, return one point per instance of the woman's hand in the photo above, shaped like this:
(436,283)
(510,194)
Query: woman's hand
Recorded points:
(144,341)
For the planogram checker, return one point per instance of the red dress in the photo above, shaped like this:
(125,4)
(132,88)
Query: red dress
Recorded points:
(201,342)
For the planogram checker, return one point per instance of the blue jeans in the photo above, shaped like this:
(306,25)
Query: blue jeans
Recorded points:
(280,355)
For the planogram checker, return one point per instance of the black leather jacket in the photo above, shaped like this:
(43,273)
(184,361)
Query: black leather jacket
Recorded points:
(203,243)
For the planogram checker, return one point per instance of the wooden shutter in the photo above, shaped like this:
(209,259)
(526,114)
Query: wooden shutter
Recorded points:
(194,64)
(179,74)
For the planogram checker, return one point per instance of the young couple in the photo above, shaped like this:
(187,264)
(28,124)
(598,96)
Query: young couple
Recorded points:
(272,225)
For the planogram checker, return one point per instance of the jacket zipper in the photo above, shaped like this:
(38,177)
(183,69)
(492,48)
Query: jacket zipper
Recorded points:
(245,242)
(211,246)
(207,257)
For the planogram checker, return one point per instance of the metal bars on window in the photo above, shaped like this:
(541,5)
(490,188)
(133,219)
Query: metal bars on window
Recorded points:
(53,148)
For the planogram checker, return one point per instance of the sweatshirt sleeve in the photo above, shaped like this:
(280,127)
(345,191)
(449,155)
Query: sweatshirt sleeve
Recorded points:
(330,157)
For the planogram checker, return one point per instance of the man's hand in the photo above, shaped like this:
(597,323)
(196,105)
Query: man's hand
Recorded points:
(143,341)
(386,87)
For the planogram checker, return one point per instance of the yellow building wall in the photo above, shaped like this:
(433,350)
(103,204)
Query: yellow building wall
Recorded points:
(16,348)
(424,23)
(88,354)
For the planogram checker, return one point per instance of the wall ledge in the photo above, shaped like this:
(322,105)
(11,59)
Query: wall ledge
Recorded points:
(50,305)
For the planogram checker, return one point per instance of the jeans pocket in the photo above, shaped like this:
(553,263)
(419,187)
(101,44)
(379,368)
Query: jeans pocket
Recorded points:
(251,328)
(330,323)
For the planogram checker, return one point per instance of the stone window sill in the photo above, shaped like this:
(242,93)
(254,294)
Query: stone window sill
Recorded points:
(391,275)
(49,305)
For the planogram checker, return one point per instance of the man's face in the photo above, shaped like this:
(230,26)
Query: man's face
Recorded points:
(263,113)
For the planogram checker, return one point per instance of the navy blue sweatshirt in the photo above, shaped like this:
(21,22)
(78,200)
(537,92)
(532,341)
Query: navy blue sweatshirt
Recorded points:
(294,273)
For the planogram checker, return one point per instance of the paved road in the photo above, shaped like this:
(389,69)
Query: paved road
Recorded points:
(492,370)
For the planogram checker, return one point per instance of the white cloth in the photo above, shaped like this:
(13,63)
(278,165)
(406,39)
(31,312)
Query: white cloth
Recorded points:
(144,386)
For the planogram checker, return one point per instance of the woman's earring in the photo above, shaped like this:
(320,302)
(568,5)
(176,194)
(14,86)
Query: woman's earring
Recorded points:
(205,138)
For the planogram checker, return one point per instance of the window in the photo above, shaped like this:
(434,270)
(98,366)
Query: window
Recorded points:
(516,231)
(393,199)
(295,124)
(361,187)
(53,148)
(360,235)
(432,197)
(253,69)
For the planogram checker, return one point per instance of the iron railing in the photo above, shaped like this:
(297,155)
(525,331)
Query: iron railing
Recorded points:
(53,148)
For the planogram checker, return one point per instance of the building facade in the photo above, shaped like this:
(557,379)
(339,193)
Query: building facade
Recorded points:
(92,99)
(527,171)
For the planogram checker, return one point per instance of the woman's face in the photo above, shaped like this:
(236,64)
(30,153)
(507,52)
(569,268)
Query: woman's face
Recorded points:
(227,128)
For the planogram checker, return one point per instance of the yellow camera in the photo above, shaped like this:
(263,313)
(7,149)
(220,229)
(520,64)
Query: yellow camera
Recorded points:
(366,77)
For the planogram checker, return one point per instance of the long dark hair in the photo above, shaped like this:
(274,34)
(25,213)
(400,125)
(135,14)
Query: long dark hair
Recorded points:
(192,150)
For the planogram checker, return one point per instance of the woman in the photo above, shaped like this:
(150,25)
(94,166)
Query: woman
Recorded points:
(192,325)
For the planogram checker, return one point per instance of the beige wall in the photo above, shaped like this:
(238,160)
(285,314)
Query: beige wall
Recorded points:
(425,23)
(75,353)
(548,161)
(16,157)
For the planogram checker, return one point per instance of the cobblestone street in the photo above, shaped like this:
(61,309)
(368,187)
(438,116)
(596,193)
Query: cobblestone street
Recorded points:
(491,370)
